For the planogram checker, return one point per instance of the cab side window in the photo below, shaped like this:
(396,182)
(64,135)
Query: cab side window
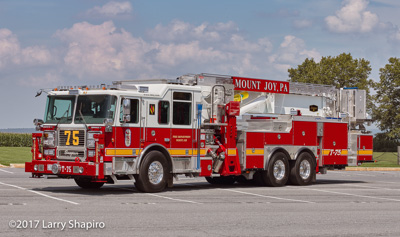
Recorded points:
(134,111)
(182,106)
(163,112)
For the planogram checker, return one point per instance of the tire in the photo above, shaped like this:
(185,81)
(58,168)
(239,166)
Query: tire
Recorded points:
(224,180)
(277,173)
(258,178)
(87,183)
(302,172)
(153,173)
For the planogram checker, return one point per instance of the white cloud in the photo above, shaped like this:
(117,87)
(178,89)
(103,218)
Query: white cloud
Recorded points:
(302,23)
(102,50)
(175,54)
(49,79)
(291,52)
(111,9)
(179,31)
(353,18)
(13,55)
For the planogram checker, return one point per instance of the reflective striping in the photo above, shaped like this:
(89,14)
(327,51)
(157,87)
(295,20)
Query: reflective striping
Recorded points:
(202,151)
(172,151)
(365,152)
(180,152)
(231,152)
(335,152)
(256,151)
(120,152)
(185,152)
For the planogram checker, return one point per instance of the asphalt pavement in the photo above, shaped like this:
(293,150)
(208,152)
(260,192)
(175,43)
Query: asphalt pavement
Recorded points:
(341,203)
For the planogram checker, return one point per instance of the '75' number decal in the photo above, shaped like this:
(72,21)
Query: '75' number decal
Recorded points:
(75,138)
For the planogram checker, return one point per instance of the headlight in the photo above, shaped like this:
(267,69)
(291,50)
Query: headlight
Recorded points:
(81,170)
(49,152)
(91,143)
(49,139)
(91,153)
(35,167)
(90,139)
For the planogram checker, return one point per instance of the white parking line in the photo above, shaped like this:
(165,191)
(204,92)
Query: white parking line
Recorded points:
(362,186)
(352,173)
(386,182)
(174,199)
(350,194)
(259,195)
(38,193)
(7,171)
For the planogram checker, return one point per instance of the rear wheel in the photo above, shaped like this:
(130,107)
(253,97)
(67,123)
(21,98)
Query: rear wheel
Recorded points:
(153,173)
(277,173)
(87,183)
(303,170)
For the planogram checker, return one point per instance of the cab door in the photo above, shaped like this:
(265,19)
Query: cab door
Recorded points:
(130,133)
(156,120)
(182,132)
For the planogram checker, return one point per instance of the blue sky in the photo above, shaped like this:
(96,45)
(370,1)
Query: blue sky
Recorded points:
(46,43)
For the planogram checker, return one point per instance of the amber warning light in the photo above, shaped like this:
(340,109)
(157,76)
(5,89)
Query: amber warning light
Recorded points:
(268,86)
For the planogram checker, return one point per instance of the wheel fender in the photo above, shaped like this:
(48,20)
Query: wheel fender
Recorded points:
(306,149)
(272,152)
(152,147)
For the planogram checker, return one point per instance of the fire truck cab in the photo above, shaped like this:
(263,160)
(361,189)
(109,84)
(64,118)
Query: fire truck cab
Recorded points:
(224,128)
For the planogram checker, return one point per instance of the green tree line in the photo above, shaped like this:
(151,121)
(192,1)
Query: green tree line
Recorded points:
(345,71)
(15,140)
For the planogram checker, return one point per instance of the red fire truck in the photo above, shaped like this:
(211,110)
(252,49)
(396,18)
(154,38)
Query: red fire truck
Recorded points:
(223,128)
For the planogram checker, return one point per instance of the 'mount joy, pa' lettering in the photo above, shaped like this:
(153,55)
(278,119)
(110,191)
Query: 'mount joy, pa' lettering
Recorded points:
(250,84)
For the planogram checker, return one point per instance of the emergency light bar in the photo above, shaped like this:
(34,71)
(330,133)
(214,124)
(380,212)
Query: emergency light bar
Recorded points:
(90,87)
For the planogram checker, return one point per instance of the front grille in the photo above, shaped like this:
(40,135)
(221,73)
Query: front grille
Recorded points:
(74,138)
(70,154)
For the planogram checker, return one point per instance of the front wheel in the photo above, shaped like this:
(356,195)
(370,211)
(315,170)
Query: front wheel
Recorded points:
(87,183)
(303,170)
(277,173)
(153,173)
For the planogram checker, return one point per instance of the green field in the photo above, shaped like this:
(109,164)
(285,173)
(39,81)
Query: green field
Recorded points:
(383,159)
(15,155)
(18,155)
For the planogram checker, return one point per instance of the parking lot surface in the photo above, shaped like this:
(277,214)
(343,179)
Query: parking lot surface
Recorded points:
(340,203)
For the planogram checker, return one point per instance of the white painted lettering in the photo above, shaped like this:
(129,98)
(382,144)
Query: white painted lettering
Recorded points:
(237,83)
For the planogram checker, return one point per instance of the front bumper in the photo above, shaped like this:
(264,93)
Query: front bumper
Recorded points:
(66,168)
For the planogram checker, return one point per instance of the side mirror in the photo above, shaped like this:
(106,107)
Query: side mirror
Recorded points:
(38,123)
(108,123)
(126,110)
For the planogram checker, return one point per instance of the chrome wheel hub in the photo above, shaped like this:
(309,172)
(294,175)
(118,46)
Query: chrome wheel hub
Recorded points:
(156,172)
(305,169)
(279,170)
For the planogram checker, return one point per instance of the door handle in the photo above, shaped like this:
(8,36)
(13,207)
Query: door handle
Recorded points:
(166,139)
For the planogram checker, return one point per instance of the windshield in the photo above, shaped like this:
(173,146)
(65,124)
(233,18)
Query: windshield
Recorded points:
(59,109)
(93,109)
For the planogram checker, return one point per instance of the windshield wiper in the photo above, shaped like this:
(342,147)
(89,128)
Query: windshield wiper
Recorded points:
(80,113)
(63,116)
